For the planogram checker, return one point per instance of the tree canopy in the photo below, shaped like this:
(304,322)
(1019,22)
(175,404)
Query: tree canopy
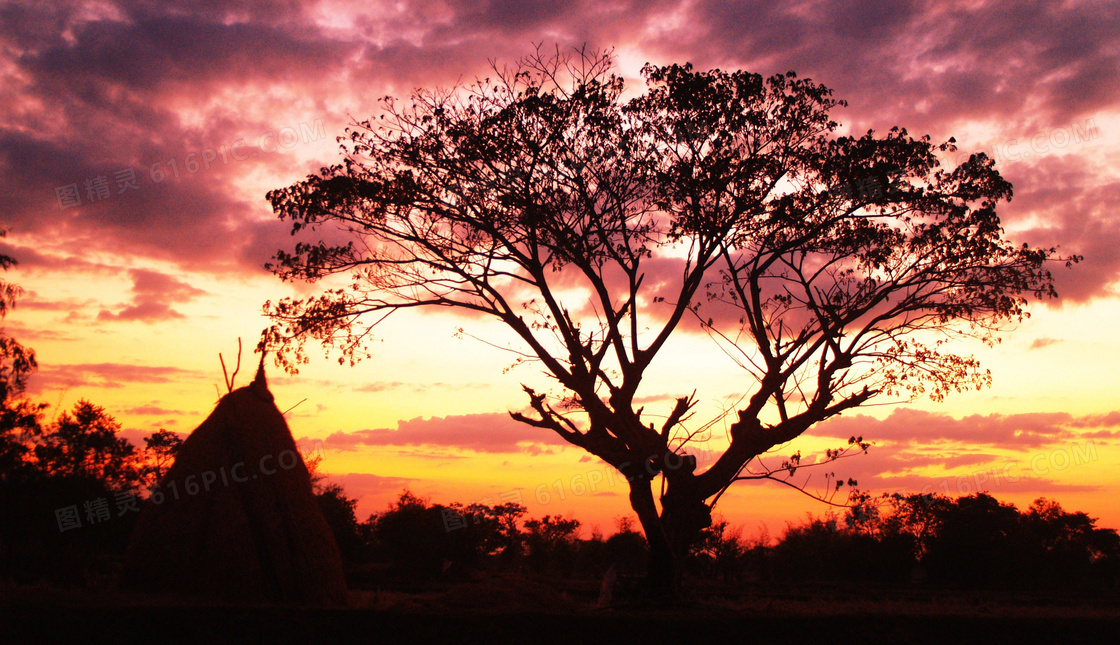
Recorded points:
(596,224)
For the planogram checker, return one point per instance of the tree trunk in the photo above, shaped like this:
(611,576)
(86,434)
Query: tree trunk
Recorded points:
(670,534)
(662,580)
(683,518)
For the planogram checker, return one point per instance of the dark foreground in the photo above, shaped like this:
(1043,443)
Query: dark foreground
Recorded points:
(518,611)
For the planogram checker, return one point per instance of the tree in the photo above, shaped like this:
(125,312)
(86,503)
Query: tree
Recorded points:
(339,511)
(834,268)
(494,528)
(721,548)
(551,542)
(19,418)
(160,449)
(84,444)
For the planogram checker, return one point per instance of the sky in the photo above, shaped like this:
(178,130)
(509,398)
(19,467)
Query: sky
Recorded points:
(138,139)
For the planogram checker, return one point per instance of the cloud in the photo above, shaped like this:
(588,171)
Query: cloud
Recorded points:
(155,410)
(29,258)
(32,334)
(373,492)
(487,432)
(1108,420)
(412,386)
(153,294)
(96,90)
(907,426)
(35,301)
(1039,343)
(107,375)
(359,483)
(125,118)
(917,451)
(924,63)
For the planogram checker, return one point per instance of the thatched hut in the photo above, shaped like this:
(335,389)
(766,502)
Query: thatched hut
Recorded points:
(235,519)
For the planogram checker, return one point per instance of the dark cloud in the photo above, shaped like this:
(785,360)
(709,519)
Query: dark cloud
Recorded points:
(925,63)
(153,50)
(98,90)
(98,157)
(1077,213)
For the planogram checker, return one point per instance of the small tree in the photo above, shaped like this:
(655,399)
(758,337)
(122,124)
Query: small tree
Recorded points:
(338,510)
(835,268)
(551,542)
(84,444)
(160,449)
(721,549)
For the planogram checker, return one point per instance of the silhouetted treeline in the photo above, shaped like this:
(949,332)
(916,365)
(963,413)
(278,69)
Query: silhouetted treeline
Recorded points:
(971,542)
(414,541)
(70,492)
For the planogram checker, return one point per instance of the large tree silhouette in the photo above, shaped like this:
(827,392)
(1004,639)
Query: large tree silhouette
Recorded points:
(594,226)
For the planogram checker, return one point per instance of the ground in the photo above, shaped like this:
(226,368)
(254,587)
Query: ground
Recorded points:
(503,609)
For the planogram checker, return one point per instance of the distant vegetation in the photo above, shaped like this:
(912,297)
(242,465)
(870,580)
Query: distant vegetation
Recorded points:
(973,542)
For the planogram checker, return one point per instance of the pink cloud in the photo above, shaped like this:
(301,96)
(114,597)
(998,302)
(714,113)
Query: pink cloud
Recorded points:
(909,427)
(108,375)
(373,492)
(1036,451)
(487,432)
(153,294)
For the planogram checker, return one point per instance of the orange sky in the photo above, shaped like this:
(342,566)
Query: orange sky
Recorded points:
(169,127)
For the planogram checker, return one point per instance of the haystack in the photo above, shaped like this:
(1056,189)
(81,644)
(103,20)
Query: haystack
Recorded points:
(235,519)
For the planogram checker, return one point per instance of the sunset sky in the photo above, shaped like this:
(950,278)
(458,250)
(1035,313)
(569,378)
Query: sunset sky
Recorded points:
(138,139)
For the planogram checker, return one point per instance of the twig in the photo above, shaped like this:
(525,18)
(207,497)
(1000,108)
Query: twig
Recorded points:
(229,379)
(292,408)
